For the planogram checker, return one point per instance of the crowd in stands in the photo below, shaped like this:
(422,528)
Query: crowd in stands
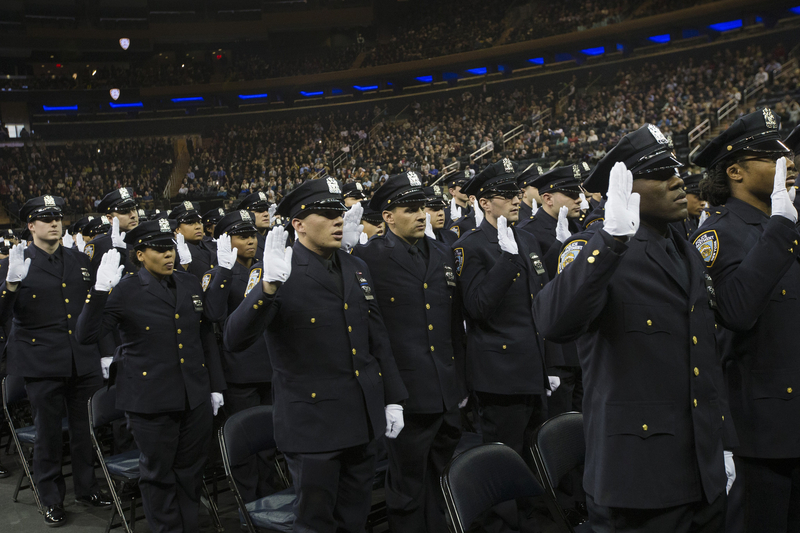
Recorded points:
(82,173)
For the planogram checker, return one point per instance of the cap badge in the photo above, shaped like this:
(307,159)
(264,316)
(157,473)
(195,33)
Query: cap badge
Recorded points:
(413,179)
(124,194)
(359,187)
(245,216)
(188,205)
(576,172)
(163,225)
(585,166)
(89,219)
(656,133)
(48,201)
(221,212)
(508,166)
(262,196)
(769,119)
(437,191)
(333,186)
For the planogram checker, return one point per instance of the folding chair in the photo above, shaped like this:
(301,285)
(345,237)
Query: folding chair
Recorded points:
(482,477)
(558,448)
(243,435)
(14,394)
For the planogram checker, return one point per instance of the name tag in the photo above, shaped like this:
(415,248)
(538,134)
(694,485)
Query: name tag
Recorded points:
(365,288)
(712,296)
(450,276)
(197,302)
(86,275)
(537,264)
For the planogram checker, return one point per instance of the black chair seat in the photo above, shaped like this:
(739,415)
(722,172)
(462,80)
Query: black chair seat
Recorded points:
(273,512)
(27,435)
(125,465)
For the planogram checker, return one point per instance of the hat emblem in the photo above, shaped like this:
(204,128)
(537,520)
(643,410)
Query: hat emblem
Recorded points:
(163,225)
(245,216)
(413,179)
(89,219)
(262,196)
(359,187)
(188,205)
(656,133)
(333,186)
(221,212)
(124,194)
(508,166)
(576,172)
(48,201)
(769,119)
(437,191)
(466,173)
(585,166)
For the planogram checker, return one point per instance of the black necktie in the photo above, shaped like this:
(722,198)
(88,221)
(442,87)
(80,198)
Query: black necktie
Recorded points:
(336,275)
(417,259)
(678,266)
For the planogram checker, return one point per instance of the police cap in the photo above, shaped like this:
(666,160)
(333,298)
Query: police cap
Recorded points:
(238,222)
(530,173)
(399,189)
(560,179)
(158,234)
(41,206)
(186,213)
(353,190)
(458,179)
(213,216)
(117,200)
(311,195)
(78,226)
(96,226)
(691,183)
(256,202)
(755,132)
(497,177)
(435,197)
(370,215)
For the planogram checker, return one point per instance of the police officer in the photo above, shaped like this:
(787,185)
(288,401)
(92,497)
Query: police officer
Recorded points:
(460,205)
(210,220)
(748,244)
(248,372)
(119,208)
(353,193)
(44,289)
(194,258)
(435,208)
(258,205)
(694,205)
(634,298)
(372,222)
(415,282)
(316,299)
(792,142)
(169,368)
(530,195)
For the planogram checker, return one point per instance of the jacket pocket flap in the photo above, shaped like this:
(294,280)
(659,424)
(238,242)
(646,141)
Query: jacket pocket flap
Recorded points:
(784,384)
(643,419)
(647,318)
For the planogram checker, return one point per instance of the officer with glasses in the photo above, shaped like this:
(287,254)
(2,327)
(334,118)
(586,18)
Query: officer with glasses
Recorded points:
(44,288)
(120,210)
(750,247)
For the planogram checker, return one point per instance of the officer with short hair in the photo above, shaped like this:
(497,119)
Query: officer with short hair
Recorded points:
(415,283)
(336,385)
(194,258)
(168,375)
(748,244)
(530,195)
(353,192)
(119,208)
(436,209)
(372,221)
(44,288)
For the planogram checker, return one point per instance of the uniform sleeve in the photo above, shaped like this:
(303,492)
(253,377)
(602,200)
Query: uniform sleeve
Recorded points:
(483,289)
(743,288)
(566,306)
(212,360)
(101,313)
(217,287)
(248,322)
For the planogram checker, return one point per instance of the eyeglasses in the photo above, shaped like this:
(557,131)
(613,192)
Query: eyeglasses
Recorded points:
(768,156)
(47,219)
(259,209)
(507,195)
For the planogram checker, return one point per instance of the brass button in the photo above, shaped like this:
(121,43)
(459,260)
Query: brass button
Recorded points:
(517,274)
(354,351)
(147,328)
(34,296)
(783,292)
(427,306)
(795,242)
(649,322)
(379,374)
(255,306)
(596,252)
(69,316)
(356,373)
(33,340)
(644,427)
(144,373)
(590,260)
(313,320)
(180,346)
(504,346)
(696,371)
(66,300)
(261,302)
(350,329)
(70,332)
(694,402)
(63,284)
(345,306)
(789,390)
(723,418)
(694,340)
(791,250)
(181,360)
(313,394)
(424,285)
(430,327)
(391,299)
(179,331)
(431,348)
(692,311)
(177,316)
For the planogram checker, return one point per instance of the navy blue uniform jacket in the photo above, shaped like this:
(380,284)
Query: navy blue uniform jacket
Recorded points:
(422,314)
(168,351)
(333,369)
(753,260)
(653,405)
(98,246)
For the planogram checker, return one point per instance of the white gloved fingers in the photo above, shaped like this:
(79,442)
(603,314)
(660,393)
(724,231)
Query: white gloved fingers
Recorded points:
(703,218)
(780,175)
(105,363)
(363,238)
(80,243)
(584,202)
(554,382)
(463,403)
(792,193)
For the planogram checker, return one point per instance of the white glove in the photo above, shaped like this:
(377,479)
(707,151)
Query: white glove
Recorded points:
(730,470)
(394,420)
(562,233)
(584,202)
(455,210)
(105,364)
(792,193)
(463,403)
(183,250)
(109,272)
(478,213)
(703,218)
(782,204)
(117,238)
(17,264)
(428,227)
(271,211)
(505,237)
(80,243)
(555,381)
(351,232)
(534,206)
(216,402)
(363,238)
(67,241)
(277,256)
(622,206)
(226,257)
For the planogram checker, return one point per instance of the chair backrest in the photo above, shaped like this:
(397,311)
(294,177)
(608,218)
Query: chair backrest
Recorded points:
(102,407)
(247,433)
(483,477)
(561,445)
(13,390)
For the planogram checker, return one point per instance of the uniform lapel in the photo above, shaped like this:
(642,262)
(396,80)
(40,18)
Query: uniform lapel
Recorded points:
(435,260)
(400,255)
(658,255)
(70,264)
(41,261)
(314,268)
(153,286)
(348,273)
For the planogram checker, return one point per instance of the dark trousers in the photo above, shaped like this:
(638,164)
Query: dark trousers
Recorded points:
(696,517)
(417,458)
(257,476)
(771,494)
(334,489)
(569,395)
(173,450)
(48,396)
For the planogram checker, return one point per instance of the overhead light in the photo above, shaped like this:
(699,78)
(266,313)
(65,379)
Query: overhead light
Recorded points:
(94,72)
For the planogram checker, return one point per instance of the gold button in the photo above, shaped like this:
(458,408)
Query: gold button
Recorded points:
(596,252)
(424,285)
(695,402)
(261,302)
(313,394)
(692,311)
(696,371)
(345,306)
(644,427)
(431,348)
(791,250)
(34,296)
(179,331)
(356,373)
(144,373)
(147,328)
(649,322)
(789,390)
(350,329)
(590,260)
(33,340)
(694,340)
(181,360)
(222,286)
(70,332)
(381,375)
(783,292)
(180,346)
(391,299)
(795,243)
(63,284)
(354,351)
(427,306)
(66,300)
(313,320)
(255,306)
(517,274)
(430,327)
(723,418)
(177,316)
(504,346)
(69,316)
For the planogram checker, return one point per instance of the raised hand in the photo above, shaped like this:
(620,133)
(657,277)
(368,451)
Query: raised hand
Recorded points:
(351,232)
(184,253)
(622,206)
(562,228)
(505,236)
(226,256)
(17,264)
(117,238)
(782,204)
(109,272)
(277,256)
